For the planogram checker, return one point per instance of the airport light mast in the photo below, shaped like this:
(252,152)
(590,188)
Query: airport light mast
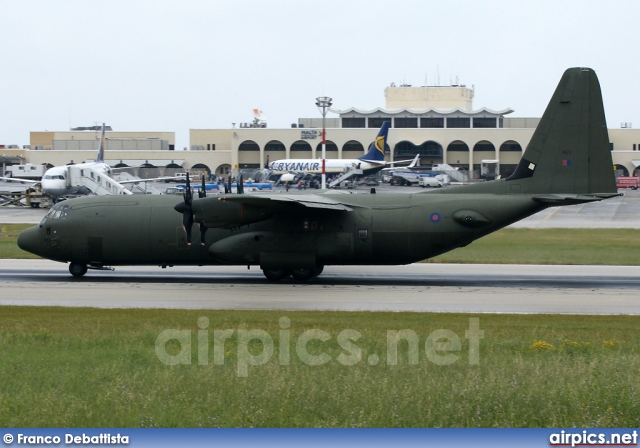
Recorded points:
(323,103)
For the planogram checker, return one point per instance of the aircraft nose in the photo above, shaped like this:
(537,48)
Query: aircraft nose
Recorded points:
(29,240)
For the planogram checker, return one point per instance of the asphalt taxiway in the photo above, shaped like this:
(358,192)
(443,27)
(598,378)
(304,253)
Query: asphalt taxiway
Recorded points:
(423,287)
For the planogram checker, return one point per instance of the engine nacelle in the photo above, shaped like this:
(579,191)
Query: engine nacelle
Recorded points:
(266,248)
(219,213)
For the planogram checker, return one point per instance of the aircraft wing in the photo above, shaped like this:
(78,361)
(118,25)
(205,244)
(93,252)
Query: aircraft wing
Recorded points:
(379,163)
(306,200)
(231,211)
(22,181)
(137,181)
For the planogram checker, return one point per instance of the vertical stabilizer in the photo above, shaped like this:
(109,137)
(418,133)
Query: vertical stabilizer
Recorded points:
(569,151)
(100,157)
(376,150)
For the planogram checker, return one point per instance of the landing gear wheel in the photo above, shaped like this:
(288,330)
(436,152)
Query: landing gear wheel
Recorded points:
(77,269)
(275,275)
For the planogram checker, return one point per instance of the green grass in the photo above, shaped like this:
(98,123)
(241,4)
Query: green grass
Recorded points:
(551,246)
(8,241)
(65,367)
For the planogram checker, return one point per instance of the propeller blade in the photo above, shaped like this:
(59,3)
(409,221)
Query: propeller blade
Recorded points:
(185,209)
(188,197)
(240,187)
(203,190)
(187,224)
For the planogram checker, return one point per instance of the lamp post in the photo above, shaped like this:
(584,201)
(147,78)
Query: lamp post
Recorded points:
(323,103)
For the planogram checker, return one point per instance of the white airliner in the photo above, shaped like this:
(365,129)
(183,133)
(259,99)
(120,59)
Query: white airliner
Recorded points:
(57,181)
(54,182)
(370,163)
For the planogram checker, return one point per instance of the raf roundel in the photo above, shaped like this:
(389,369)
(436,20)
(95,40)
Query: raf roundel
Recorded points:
(434,217)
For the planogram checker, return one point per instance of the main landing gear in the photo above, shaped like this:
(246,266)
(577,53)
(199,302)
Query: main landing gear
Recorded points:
(301,275)
(77,269)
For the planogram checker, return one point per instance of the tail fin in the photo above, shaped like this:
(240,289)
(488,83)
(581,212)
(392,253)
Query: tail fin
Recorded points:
(415,161)
(569,152)
(376,150)
(100,157)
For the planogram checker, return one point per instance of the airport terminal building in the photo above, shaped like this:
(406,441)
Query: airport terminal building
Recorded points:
(437,122)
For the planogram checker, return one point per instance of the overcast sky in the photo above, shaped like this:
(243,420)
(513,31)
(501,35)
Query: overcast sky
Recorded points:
(154,65)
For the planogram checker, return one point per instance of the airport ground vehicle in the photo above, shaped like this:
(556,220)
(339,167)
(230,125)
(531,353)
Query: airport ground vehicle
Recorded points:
(28,171)
(628,182)
(428,182)
(401,178)
(36,198)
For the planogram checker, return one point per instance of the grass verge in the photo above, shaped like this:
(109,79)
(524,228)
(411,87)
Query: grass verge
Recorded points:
(8,241)
(66,367)
(551,246)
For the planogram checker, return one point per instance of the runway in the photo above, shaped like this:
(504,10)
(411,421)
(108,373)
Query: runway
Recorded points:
(423,287)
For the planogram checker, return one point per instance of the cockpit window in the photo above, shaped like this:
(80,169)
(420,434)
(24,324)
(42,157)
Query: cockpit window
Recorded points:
(58,211)
(44,218)
(54,176)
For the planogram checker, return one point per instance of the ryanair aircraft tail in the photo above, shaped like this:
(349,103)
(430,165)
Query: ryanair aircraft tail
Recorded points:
(569,153)
(376,150)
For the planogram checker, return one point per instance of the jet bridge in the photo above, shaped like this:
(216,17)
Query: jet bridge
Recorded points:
(95,181)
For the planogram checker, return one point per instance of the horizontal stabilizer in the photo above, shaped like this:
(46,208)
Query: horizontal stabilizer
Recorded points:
(570,199)
(374,162)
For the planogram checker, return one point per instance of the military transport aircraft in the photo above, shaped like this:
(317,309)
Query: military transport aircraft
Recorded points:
(568,161)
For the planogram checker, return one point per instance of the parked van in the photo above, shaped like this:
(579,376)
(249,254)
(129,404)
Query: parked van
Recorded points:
(178,177)
(428,182)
